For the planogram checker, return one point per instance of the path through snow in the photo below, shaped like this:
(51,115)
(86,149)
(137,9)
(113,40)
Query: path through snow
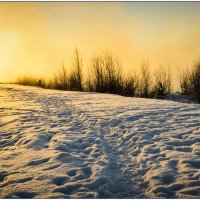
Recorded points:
(56,144)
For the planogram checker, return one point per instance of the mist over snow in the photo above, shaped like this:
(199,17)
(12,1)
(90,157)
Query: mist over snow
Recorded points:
(56,144)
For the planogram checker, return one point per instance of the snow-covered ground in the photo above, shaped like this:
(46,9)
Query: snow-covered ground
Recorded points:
(56,144)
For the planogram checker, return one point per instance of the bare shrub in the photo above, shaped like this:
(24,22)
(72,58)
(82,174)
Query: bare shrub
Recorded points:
(113,74)
(76,77)
(184,81)
(162,85)
(88,83)
(145,82)
(97,77)
(60,80)
(130,85)
(190,82)
(106,73)
(195,82)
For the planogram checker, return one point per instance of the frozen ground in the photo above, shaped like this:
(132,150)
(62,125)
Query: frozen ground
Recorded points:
(56,144)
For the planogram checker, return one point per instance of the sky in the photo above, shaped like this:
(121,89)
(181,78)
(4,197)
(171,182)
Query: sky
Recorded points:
(37,37)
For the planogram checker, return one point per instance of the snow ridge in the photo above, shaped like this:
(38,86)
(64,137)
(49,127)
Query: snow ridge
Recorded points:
(86,145)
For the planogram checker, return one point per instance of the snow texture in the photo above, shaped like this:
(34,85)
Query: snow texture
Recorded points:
(56,144)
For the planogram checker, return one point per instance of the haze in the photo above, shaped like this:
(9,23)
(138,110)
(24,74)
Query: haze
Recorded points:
(36,38)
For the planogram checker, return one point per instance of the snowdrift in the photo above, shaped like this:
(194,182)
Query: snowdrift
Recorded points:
(56,144)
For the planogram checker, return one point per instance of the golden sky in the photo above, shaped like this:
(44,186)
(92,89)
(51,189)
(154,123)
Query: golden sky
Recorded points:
(37,37)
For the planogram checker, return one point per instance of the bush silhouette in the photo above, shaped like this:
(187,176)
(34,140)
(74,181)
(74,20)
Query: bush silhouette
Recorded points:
(105,75)
(76,77)
(130,85)
(145,81)
(60,80)
(190,82)
(162,85)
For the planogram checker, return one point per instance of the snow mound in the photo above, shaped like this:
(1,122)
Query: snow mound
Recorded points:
(177,97)
(58,144)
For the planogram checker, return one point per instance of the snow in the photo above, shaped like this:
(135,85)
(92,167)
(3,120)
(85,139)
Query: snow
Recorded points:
(177,97)
(57,144)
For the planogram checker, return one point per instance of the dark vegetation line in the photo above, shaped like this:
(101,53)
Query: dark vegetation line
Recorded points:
(105,75)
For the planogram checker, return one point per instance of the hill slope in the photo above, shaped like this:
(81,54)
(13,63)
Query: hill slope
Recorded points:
(58,144)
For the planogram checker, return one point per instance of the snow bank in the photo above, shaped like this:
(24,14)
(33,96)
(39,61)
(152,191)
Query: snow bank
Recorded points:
(86,145)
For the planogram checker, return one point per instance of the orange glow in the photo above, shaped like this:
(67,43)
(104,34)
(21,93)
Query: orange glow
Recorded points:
(36,37)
